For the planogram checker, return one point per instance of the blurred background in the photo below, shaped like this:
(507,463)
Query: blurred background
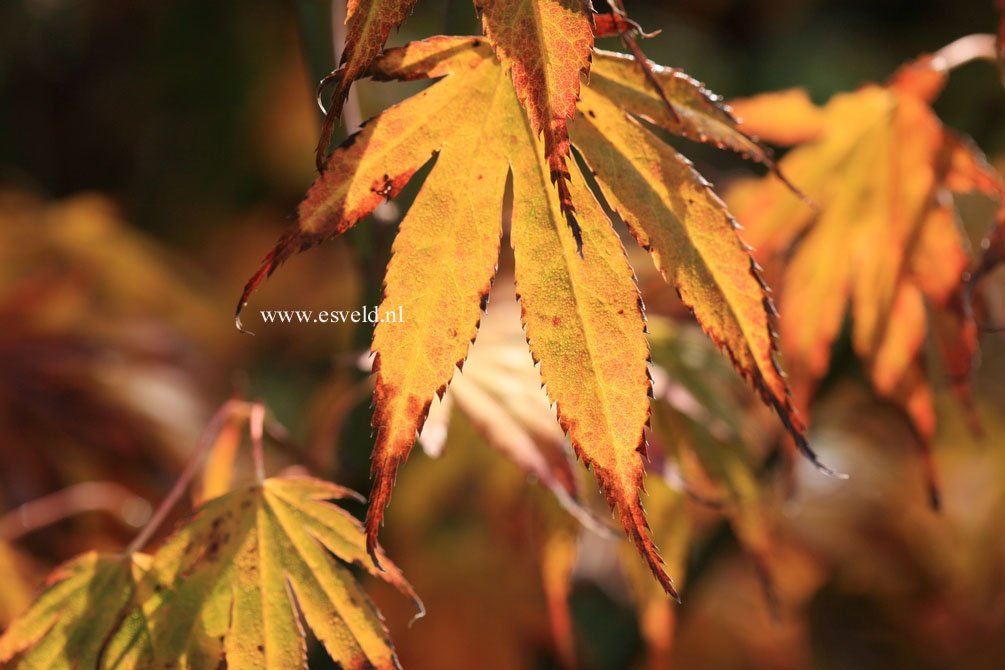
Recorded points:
(151,153)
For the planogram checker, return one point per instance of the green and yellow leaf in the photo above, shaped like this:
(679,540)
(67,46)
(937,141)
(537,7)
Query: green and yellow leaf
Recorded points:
(231,586)
(69,623)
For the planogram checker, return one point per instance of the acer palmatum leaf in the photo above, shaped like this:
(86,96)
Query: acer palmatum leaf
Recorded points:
(234,582)
(369,23)
(882,243)
(545,45)
(581,309)
(69,623)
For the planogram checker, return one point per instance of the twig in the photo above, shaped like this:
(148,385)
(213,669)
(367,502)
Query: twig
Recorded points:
(349,112)
(228,409)
(628,39)
(352,117)
(256,423)
(979,46)
(85,497)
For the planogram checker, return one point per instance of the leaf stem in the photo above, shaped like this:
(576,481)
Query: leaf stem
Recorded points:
(352,117)
(256,423)
(227,410)
(979,46)
(108,497)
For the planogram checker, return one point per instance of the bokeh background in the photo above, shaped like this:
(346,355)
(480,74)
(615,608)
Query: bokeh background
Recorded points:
(151,153)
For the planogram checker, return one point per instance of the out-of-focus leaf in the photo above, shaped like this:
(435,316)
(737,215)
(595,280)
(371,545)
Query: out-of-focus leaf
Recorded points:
(500,392)
(19,582)
(106,344)
(70,622)
(473,532)
(558,556)
(672,533)
(882,243)
(786,117)
(219,469)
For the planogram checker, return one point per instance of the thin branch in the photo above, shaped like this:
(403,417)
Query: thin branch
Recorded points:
(228,409)
(979,46)
(85,497)
(256,423)
(628,38)
(352,117)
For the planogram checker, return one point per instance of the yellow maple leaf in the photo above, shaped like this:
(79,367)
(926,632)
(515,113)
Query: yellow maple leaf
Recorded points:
(582,313)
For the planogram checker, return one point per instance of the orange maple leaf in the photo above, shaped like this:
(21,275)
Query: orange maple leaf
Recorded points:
(582,314)
(882,242)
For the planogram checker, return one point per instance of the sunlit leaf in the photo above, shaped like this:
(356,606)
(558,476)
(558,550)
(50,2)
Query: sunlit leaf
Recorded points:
(232,584)
(581,309)
(545,45)
(499,390)
(369,23)
(70,622)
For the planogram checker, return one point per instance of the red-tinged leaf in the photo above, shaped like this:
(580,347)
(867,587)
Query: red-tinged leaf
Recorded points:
(369,24)
(374,164)
(441,270)
(545,45)
(582,312)
(585,326)
(613,25)
(672,212)
(881,173)
(957,340)
(920,78)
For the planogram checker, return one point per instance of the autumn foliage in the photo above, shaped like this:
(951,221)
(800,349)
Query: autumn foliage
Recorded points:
(524,164)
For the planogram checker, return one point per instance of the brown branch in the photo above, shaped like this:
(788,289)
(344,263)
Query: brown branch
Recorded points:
(226,411)
(107,497)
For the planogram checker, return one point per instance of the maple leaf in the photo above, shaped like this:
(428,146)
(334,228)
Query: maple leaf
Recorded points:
(229,585)
(883,242)
(68,624)
(500,392)
(582,313)
(546,46)
(369,24)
